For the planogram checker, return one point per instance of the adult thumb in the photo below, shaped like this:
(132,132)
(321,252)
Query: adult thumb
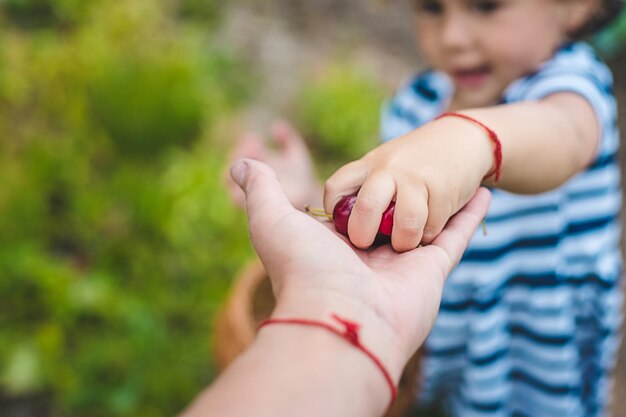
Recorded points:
(265,197)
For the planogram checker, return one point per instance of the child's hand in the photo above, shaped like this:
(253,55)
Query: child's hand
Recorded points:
(288,156)
(431,173)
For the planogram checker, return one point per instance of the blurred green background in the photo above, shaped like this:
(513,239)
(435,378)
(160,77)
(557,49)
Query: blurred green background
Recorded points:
(118,241)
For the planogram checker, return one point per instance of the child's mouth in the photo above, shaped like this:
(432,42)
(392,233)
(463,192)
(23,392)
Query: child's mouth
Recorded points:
(472,77)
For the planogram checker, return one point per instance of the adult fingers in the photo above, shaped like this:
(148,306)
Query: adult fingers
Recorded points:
(374,197)
(266,202)
(456,235)
(345,181)
(250,146)
(439,212)
(409,218)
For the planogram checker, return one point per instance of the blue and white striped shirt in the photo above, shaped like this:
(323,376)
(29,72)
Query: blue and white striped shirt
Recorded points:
(529,321)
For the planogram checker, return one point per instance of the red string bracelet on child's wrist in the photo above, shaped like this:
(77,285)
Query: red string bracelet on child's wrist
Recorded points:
(349,333)
(497,146)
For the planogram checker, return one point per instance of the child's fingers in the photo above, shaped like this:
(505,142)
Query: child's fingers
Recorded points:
(345,181)
(409,218)
(374,197)
(439,211)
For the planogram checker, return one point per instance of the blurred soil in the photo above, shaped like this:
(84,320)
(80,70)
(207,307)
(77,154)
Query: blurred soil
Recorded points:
(286,40)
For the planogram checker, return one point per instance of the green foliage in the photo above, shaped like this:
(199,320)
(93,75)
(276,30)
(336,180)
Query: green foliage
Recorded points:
(201,11)
(338,112)
(117,239)
(129,103)
(41,14)
(46,14)
(610,42)
(112,209)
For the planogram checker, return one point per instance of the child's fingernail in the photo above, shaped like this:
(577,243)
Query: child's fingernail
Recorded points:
(238,171)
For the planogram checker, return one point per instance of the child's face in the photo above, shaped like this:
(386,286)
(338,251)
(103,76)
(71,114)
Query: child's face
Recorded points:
(483,45)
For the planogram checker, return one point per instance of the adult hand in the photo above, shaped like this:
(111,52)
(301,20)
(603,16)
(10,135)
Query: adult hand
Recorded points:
(298,370)
(316,272)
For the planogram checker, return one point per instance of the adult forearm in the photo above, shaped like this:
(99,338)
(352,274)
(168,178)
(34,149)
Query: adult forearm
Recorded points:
(297,371)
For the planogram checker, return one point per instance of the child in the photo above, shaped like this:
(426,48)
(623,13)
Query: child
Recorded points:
(529,320)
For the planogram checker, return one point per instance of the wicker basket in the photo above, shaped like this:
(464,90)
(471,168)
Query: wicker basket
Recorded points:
(250,302)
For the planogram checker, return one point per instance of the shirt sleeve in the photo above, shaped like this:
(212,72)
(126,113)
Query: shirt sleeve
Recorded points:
(419,100)
(574,69)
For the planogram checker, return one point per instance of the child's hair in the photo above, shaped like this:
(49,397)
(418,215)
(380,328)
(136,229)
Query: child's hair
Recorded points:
(607,12)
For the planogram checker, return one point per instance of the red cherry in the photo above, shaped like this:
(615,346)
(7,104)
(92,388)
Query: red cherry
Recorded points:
(341,214)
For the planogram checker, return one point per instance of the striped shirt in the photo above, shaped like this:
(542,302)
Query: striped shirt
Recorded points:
(529,321)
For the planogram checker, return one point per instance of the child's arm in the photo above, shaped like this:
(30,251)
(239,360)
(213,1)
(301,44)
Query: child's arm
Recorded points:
(543,143)
(434,170)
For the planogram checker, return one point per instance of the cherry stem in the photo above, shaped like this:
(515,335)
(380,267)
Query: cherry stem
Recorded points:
(483,225)
(318,212)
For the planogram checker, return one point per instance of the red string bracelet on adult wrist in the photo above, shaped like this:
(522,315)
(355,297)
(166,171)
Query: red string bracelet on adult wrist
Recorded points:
(497,146)
(349,333)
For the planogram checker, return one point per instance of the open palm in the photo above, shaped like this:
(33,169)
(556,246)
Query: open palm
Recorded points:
(304,256)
